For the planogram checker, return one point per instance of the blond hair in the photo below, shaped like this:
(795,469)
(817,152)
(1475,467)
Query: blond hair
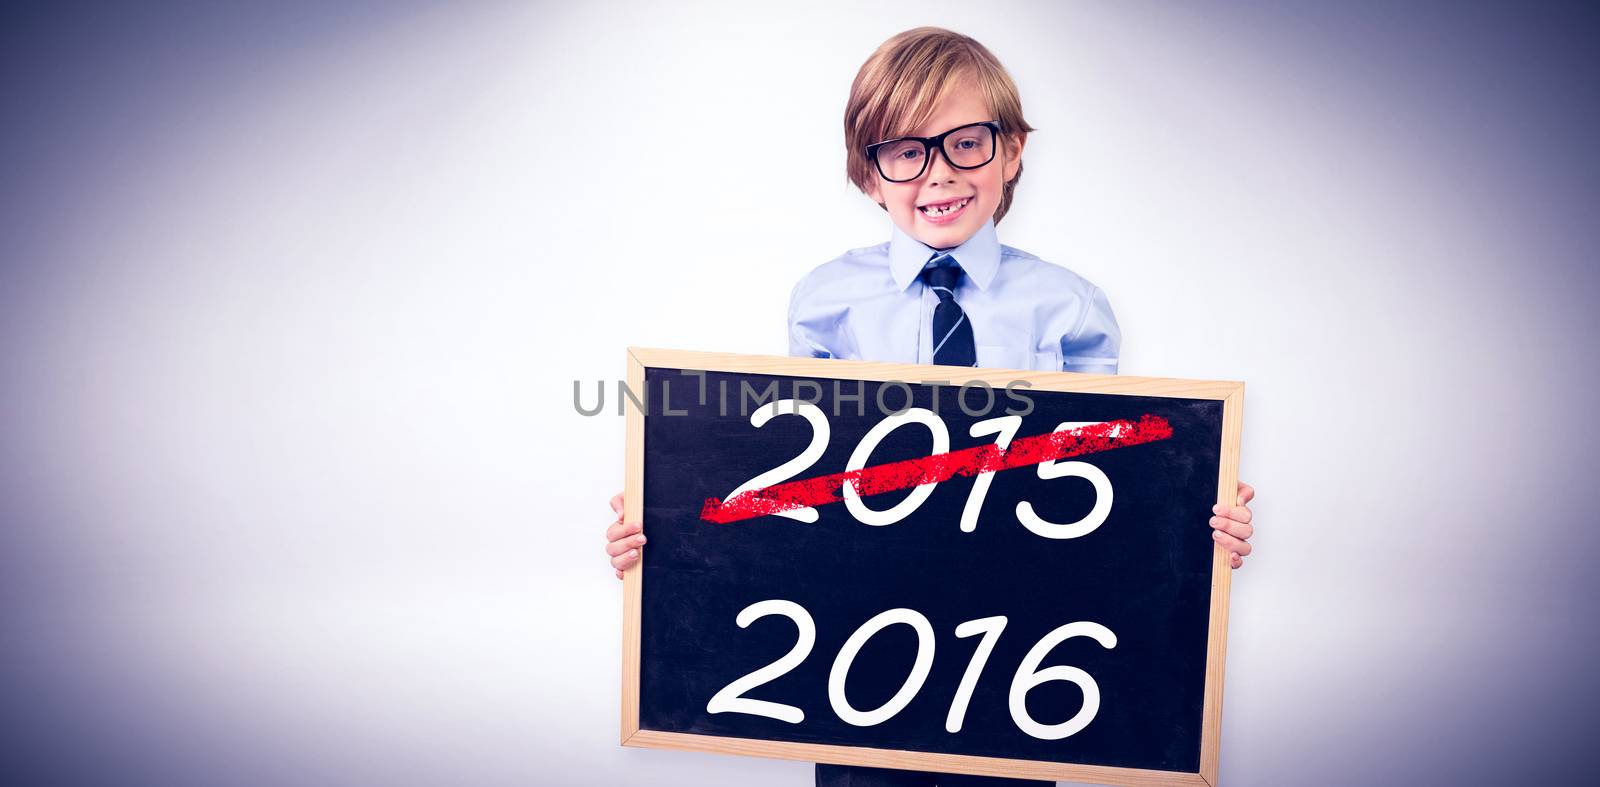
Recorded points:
(898,87)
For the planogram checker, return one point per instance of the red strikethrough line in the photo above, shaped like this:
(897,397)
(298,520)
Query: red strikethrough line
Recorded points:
(908,473)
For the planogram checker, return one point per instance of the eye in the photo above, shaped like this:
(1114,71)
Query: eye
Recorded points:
(900,150)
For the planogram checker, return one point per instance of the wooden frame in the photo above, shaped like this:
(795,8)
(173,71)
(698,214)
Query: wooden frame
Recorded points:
(1231,394)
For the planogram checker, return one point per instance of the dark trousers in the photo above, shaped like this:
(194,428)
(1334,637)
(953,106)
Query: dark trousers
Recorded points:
(857,776)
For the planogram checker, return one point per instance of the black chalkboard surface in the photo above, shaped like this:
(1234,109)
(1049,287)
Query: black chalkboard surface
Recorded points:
(1013,576)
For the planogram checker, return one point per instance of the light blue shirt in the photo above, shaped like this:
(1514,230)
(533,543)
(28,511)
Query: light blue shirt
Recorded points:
(871,304)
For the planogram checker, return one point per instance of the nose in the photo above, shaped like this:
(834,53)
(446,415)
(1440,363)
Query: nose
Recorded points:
(938,168)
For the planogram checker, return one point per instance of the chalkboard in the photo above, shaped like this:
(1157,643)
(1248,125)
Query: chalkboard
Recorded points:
(949,569)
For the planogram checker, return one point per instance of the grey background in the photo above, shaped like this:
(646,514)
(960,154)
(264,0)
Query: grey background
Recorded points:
(293,296)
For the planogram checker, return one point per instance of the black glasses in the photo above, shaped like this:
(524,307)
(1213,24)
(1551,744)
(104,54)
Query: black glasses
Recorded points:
(968,147)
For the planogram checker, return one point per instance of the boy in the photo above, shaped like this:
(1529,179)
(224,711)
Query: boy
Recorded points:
(934,134)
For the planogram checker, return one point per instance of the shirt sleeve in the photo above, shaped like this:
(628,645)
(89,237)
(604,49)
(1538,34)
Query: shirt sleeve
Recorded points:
(803,342)
(1096,345)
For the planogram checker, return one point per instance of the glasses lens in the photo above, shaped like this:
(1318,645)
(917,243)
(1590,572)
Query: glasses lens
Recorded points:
(972,146)
(901,160)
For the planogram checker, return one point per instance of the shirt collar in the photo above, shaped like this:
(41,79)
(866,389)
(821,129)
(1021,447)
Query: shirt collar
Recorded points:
(979,256)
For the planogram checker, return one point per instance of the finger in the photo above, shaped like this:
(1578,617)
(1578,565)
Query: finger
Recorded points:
(1229,542)
(1238,562)
(621,545)
(617,530)
(616,503)
(1236,513)
(619,574)
(1233,527)
(1239,530)
(623,561)
(1246,493)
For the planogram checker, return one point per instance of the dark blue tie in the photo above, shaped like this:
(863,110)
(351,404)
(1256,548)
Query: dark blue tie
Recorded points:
(952,331)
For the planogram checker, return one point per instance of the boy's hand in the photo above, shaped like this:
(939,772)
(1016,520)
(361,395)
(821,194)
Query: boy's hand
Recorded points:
(623,541)
(1231,526)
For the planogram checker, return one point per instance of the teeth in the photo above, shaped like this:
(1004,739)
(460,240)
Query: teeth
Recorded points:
(940,211)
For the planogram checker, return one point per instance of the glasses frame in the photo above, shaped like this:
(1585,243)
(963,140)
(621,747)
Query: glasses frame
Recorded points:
(929,143)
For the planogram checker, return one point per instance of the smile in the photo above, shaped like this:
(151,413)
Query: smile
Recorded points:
(944,212)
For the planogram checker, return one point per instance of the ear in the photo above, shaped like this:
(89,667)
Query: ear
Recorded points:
(872,189)
(1013,149)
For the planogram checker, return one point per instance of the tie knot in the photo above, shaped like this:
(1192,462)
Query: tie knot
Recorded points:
(943,278)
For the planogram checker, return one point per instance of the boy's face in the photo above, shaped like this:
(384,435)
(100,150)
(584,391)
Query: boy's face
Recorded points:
(941,184)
